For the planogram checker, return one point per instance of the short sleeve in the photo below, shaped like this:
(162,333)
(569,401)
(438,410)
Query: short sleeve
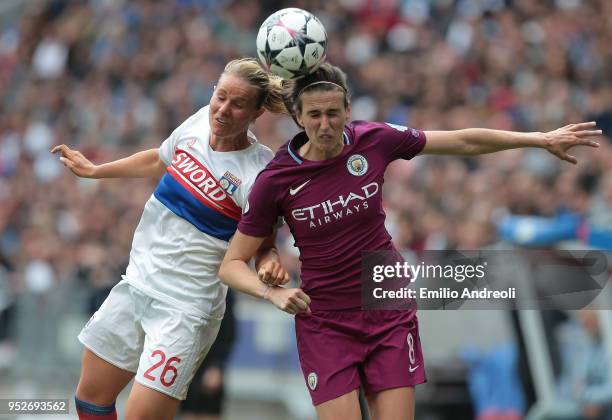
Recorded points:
(168,147)
(260,215)
(400,142)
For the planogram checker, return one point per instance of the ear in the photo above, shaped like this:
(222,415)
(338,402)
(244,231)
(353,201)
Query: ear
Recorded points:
(298,118)
(348,112)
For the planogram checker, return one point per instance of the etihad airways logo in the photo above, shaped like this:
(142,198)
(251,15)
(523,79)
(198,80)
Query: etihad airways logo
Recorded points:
(336,208)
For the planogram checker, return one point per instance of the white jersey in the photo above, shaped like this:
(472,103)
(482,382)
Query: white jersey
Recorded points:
(190,217)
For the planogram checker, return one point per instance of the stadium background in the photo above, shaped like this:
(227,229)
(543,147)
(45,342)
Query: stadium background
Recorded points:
(111,77)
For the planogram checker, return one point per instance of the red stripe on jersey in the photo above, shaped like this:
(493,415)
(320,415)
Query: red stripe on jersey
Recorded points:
(200,182)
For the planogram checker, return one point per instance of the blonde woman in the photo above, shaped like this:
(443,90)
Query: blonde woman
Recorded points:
(159,322)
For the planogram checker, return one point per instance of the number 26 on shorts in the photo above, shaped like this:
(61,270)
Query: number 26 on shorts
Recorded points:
(169,369)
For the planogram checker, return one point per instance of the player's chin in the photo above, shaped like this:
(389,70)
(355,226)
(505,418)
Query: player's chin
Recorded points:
(328,141)
(221,130)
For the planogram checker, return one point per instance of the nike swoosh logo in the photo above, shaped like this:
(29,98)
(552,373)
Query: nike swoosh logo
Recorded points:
(413,368)
(294,191)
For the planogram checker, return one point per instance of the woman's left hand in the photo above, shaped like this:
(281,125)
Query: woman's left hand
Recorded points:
(559,141)
(273,274)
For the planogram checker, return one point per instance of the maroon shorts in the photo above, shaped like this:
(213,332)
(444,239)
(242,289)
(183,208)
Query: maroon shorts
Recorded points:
(342,350)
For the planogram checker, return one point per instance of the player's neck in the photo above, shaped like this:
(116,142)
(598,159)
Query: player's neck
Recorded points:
(310,152)
(229,144)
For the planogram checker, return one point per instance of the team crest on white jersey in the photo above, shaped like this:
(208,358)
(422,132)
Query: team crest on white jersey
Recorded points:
(230,182)
(357,165)
(313,379)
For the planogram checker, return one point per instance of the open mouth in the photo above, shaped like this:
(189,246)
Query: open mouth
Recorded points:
(221,121)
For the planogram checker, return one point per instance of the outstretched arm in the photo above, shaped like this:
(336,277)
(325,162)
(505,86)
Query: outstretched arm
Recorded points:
(236,273)
(145,164)
(477,141)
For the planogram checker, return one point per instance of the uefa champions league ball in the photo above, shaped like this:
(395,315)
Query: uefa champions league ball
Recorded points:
(291,43)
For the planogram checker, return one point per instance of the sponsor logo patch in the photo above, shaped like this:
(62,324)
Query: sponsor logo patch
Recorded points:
(294,191)
(199,181)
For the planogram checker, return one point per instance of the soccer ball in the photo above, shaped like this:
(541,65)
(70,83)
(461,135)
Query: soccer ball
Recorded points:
(291,43)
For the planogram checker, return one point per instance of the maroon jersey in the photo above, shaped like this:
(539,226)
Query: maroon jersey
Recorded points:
(332,207)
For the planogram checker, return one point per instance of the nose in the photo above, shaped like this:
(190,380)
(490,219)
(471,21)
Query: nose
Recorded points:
(324,123)
(224,108)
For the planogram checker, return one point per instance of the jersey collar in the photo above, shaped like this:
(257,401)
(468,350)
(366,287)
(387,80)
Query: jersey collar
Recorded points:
(293,151)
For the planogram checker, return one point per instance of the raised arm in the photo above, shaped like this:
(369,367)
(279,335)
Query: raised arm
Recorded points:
(477,141)
(145,164)
(236,273)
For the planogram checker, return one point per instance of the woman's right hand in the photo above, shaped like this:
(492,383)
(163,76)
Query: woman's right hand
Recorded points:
(292,301)
(272,273)
(75,161)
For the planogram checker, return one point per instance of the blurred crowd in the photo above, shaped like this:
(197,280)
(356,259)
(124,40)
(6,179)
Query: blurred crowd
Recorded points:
(112,77)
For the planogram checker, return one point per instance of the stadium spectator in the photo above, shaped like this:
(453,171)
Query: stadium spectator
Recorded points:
(585,386)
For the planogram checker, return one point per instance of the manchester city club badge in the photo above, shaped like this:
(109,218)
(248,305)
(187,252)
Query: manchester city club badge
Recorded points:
(357,165)
(312,380)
